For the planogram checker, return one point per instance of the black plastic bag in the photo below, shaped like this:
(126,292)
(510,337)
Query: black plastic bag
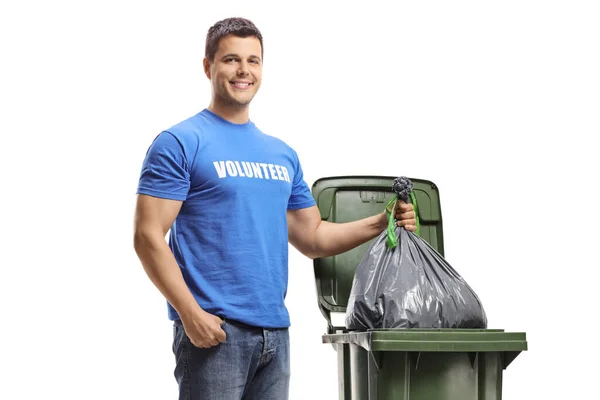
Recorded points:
(403,282)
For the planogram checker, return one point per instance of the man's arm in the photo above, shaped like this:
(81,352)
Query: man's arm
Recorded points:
(316,238)
(153,219)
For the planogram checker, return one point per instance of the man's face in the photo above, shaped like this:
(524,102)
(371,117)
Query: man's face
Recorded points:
(236,71)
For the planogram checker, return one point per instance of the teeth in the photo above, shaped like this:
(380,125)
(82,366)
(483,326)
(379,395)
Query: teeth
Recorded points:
(241,84)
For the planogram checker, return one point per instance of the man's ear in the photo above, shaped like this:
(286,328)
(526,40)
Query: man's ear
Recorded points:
(206,65)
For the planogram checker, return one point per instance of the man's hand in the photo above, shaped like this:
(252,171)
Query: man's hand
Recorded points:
(203,329)
(405,214)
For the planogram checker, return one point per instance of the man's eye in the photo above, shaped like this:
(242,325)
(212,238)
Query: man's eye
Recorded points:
(230,60)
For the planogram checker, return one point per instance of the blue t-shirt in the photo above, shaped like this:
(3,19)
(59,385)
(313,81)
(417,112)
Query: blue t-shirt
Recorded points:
(230,238)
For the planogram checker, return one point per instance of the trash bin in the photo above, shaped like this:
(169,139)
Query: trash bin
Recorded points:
(401,364)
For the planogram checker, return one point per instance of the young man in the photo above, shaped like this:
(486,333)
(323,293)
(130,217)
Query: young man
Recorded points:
(232,197)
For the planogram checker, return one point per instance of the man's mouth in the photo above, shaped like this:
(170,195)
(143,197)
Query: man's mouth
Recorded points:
(241,85)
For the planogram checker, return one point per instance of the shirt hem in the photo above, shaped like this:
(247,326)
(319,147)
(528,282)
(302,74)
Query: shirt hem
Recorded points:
(297,206)
(162,195)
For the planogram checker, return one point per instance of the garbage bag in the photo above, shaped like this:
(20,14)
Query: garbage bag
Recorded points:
(403,282)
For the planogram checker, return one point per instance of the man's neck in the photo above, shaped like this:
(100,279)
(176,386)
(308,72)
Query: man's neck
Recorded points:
(234,115)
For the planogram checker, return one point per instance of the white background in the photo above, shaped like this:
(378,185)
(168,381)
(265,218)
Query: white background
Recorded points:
(495,102)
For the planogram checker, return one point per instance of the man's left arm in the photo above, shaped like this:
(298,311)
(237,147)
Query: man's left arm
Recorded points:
(316,238)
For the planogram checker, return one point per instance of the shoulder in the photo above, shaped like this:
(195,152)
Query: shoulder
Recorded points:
(279,143)
(188,134)
(189,128)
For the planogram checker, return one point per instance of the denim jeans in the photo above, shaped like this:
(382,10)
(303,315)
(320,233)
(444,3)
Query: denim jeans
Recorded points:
(251,364)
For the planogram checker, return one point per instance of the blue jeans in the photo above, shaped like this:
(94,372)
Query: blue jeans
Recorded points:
(251,364)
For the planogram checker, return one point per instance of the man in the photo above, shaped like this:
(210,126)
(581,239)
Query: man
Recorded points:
(232,197)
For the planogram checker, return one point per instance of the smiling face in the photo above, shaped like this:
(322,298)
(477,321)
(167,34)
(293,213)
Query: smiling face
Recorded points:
(235,73)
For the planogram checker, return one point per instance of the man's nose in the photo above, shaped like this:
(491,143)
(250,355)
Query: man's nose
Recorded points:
(243,69)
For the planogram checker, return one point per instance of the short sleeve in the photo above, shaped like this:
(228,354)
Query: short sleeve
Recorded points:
(301,196)
(165,171)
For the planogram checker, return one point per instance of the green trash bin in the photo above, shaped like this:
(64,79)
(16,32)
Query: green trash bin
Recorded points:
(402,364)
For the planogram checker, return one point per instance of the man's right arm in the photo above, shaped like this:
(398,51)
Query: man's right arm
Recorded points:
(153,219)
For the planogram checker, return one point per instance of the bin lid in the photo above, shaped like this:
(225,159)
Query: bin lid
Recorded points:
(348,198)
(511,344)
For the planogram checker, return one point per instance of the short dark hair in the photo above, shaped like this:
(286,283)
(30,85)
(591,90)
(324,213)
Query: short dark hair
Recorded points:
(239,27)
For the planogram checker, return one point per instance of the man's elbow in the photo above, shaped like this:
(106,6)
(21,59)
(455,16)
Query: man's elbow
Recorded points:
(312,255)
(140,240)
(319,254)
(144,238)
(312,251)
(312,246)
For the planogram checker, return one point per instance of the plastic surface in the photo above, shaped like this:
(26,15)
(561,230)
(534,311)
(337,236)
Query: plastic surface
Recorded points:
(434,340)
(410,286)
(348,198)
(424,364)
(402,364)
(402,282)
(422,376)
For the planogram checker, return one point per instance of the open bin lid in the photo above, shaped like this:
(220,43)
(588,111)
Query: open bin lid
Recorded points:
(348,198)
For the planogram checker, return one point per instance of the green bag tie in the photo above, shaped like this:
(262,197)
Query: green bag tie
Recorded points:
(392,240)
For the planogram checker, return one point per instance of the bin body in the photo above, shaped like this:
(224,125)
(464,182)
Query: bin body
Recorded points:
(437,364)
(401,364)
